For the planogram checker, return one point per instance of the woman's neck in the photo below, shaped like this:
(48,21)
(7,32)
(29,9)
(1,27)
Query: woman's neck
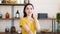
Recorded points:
(29,17)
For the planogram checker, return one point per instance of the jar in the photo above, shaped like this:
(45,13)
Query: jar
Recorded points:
(7,15)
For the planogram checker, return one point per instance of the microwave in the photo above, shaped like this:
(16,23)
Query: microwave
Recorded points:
(42,15)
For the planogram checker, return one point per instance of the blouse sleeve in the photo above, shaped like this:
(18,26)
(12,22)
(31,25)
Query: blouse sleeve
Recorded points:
(21,22)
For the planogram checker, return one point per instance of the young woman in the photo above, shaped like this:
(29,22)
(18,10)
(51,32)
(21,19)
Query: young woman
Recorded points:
(29,23)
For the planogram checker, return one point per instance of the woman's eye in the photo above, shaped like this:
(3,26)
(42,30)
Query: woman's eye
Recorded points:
(27,8)
(31,8)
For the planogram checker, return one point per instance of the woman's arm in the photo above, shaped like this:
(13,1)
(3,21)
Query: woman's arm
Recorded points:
(23,25)
(38,27)
(27,29)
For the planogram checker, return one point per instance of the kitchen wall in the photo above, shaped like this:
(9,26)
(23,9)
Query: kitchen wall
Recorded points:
(40,6)
(47,6)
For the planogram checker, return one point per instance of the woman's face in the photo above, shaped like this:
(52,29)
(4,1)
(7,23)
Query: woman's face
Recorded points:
(29,10)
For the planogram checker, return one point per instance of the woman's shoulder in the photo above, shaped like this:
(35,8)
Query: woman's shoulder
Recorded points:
(22,18)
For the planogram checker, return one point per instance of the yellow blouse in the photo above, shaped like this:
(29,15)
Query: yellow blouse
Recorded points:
(30,24)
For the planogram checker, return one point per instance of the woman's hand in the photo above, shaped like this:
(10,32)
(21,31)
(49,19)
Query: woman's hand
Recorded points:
(38,27)
(34,17)
(30,32)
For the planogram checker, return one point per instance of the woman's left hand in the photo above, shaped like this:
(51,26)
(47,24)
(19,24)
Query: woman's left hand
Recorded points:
(38,27)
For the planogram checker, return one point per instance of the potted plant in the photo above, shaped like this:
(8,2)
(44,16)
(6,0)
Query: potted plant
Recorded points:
(58,21)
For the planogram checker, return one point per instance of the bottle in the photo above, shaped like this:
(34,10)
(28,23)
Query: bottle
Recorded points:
(21,1)
(6,29)
(18,1)
(1,14)
(26,1)
(4,1)
(7,15)
(17,14)
(13,29)
(0,1)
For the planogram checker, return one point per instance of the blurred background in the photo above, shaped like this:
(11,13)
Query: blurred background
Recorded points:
(48,9)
